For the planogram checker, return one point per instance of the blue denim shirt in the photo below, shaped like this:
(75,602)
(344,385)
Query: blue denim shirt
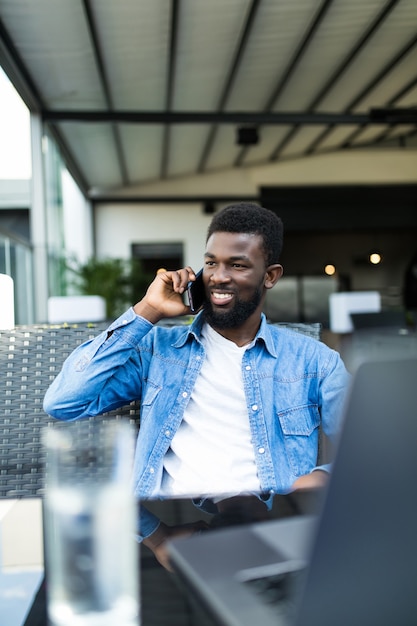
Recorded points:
(292,383)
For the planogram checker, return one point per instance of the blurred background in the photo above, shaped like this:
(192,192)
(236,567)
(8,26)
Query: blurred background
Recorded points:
(124,127)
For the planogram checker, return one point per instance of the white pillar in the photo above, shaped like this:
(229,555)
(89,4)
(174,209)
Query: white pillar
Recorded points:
(38,223)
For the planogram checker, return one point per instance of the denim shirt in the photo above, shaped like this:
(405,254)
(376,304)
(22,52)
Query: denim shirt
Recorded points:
(293,383)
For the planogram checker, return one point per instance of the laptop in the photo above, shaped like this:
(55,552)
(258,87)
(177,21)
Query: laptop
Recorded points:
(355,561)
(379,319)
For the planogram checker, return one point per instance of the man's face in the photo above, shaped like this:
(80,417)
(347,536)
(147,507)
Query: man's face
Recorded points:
(234,277)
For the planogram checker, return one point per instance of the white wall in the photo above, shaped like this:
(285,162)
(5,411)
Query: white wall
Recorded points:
(78,220)
(118,226)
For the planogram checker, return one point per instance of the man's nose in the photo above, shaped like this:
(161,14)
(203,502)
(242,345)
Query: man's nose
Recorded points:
(219,274)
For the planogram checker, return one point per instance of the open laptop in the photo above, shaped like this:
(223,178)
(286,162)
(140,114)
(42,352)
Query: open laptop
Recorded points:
(353,563)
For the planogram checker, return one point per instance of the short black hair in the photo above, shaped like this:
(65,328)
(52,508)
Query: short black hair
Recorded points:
(248,217)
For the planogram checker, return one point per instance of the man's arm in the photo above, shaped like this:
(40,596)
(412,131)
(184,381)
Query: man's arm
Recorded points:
(96,377)
(333,392)
(157,542)
(314,480)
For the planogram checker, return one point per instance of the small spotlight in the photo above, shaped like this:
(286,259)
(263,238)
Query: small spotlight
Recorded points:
(330,269)
(209,208)
(247,136)
(375,258)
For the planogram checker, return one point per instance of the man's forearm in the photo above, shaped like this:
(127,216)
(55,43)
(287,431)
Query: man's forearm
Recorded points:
(316,479)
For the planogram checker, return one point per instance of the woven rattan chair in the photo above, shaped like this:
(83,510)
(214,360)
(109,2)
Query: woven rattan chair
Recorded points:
(311,330)
(30,358)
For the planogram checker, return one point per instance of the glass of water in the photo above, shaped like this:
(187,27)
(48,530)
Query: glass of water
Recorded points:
(90,547)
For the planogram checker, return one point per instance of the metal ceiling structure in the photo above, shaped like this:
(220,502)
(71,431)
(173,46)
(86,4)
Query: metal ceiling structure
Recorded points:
(144,90)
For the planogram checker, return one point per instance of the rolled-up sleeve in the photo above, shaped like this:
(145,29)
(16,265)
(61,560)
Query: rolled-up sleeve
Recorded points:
(334,389)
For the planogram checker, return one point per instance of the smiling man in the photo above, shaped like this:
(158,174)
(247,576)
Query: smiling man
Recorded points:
(229,405)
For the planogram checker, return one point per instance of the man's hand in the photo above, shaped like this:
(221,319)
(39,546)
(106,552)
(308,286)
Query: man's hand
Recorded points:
(315,479)
(157,541)
(164,295)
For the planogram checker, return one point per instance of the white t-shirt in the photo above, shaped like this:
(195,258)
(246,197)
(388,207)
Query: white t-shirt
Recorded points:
(212,452)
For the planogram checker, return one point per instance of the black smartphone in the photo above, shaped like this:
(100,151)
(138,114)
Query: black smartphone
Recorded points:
(196,292)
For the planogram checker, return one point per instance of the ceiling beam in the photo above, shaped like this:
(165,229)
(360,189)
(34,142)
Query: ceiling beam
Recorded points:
(338,72)
(98,55)
(353,137)
(401,116)
(18,74)
(233,70)
(367,89)
(107,197)
(169,96)
(291,67)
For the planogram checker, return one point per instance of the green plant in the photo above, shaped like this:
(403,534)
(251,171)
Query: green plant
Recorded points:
(120,282)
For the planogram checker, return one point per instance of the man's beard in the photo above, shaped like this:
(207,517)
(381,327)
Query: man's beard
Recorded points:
(235,317)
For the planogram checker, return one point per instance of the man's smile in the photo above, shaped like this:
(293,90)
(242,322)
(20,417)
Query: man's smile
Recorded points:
(220,298)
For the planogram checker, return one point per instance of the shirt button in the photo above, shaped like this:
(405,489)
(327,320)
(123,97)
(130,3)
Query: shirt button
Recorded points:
(168,433)
(125,322)
(254,407)
(248,367)
(261,450)
(152,471)
(184,394)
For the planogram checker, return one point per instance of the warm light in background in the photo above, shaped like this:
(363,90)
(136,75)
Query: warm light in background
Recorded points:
(330,269)
(375,258)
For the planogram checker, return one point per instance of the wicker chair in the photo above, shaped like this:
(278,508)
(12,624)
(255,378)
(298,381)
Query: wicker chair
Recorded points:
(30,358)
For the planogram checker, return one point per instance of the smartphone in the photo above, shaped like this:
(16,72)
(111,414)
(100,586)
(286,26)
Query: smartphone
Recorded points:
(196,292)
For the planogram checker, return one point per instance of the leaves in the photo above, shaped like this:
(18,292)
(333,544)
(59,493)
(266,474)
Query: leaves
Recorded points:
(120,282)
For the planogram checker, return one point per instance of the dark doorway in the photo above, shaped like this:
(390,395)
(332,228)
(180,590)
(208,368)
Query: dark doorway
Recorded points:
(153,256)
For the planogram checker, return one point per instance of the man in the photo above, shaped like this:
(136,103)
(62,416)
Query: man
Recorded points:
(229,404)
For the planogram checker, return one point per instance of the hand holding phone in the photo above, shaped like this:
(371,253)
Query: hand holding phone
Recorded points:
(196,292)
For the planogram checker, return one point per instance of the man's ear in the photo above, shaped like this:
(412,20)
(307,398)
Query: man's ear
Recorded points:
(273,274)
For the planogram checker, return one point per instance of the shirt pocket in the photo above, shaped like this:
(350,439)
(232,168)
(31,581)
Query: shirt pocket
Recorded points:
(300,429)
(149,399)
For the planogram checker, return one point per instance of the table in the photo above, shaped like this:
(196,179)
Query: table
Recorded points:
(21,558)
(165,599)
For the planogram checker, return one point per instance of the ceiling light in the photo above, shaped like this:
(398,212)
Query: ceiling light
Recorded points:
(330,269)
(375,258)
(247,136)
(209,208)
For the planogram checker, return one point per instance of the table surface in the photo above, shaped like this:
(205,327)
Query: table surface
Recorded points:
(21,558)
(22,580)
(165,599)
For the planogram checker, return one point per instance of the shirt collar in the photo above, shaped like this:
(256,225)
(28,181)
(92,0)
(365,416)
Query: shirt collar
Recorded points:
(193,329)
(263,335)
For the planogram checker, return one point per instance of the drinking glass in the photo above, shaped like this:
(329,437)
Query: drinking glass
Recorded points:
(91,552)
